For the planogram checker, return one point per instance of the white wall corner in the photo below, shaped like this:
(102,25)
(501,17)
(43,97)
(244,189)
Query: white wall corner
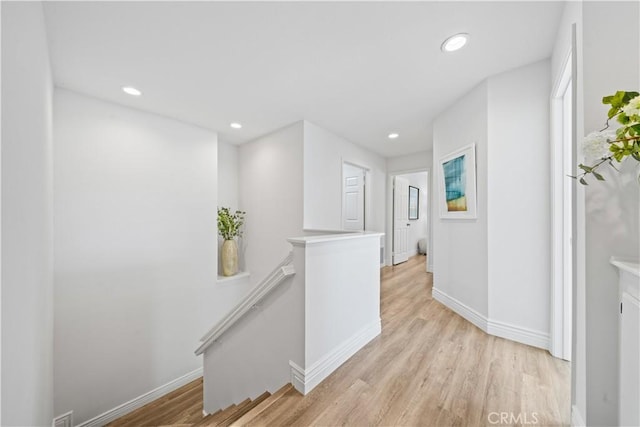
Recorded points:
(140,401)
(305,380)
(576,417)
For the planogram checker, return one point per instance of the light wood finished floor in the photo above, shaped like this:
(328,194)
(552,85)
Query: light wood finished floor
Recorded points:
(429,367)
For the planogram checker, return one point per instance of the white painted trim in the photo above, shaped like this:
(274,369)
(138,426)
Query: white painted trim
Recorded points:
(518,333)
(140,401)
(493,327)
(463,310)
(305,380)
(576,417)
(297,377)
(558,326)
(65,420)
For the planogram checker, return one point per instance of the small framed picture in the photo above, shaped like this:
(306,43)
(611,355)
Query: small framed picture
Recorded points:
(457,195)
(414,202)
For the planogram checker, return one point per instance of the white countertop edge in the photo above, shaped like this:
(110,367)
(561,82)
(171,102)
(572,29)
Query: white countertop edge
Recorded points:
(308,240)
(629,266)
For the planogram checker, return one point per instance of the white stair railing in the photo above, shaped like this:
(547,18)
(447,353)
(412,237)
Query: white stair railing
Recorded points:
(276,277)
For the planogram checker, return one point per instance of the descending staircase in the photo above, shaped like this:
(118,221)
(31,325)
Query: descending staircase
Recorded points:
(183,408)
(245,413)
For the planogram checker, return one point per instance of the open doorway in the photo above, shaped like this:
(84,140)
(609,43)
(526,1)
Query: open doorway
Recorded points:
(563,214)
(410,216)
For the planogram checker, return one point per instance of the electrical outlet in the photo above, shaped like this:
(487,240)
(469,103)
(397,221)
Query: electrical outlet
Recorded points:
(64,420)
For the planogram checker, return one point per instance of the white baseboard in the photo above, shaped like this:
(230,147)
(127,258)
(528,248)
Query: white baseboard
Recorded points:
(463,310)
(140,401)
(576,417)
(494,327)
(305,380)
(64,420)
(518,333)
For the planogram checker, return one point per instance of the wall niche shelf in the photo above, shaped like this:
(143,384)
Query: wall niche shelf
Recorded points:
(238,276)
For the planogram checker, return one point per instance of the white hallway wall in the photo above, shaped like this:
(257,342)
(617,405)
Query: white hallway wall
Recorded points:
(290,182)
(27,230)
(608,214)
(572,14)
(135,251)
(612,207)
(324,154)
(518,198)
(495,265)
(460,261)
(228,189)
(227,175)
(271,192)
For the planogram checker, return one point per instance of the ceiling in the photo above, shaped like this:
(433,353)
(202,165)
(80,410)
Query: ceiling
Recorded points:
(359,69)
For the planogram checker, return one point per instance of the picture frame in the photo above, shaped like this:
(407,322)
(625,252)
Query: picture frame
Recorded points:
(414,202)
(457,190)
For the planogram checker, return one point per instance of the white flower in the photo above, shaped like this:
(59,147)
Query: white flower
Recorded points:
(596,144)
(632,108)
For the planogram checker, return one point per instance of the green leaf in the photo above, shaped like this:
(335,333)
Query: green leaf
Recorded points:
(623,119)
(617,100)
(585,168)
(628,96)
(583,182)
(598,176)
(607,99)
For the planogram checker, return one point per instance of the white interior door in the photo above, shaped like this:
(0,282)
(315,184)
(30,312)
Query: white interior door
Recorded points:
(400,220)
(353,197)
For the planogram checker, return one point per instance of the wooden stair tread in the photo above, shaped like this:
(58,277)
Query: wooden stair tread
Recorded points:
(240,413)
(262,406)
(213,419)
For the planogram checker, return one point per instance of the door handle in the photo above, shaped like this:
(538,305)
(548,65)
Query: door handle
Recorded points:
(408,225)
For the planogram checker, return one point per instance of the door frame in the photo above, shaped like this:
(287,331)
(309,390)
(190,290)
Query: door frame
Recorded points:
(389,215)
(561,323)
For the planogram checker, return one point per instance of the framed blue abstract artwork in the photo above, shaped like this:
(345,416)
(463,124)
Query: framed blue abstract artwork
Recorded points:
(457,192)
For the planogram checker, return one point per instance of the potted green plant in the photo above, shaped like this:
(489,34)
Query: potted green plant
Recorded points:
(230,227)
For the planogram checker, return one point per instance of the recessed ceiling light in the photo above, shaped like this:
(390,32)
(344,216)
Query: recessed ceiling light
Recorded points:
(131,90)
(393,135)
(236,125)
(455,42)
